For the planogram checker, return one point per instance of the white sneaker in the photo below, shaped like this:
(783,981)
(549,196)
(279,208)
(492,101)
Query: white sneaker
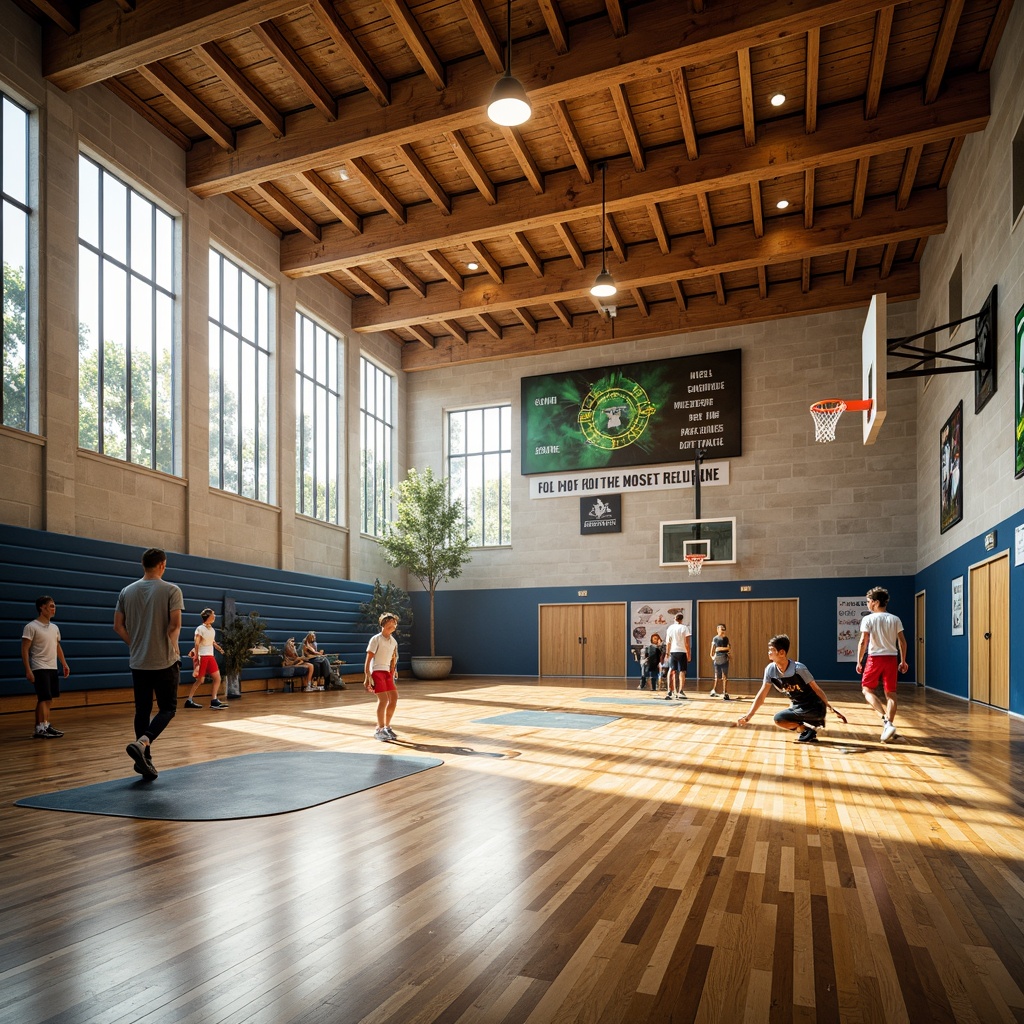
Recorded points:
(381,734)
(712,694)
(391,732)
(888,731)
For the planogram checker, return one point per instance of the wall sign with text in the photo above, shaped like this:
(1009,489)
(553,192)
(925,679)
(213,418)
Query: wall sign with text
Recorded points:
(636,414)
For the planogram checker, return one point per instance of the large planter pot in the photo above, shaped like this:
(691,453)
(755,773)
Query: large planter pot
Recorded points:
(426,667)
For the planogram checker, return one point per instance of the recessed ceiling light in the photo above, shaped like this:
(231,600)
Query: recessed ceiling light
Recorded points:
(782,204)
(343,173)
(778,99)
(473,266)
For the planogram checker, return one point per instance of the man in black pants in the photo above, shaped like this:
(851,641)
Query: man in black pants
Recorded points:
(148,620)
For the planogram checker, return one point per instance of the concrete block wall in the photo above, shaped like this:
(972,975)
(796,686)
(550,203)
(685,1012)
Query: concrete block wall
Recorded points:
(803,509)
(992,248)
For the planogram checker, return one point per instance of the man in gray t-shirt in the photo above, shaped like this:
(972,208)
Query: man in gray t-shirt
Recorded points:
(148,620)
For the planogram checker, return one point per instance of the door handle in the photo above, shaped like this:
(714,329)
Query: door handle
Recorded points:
(988,636)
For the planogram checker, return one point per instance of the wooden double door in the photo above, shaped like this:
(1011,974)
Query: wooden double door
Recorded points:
(583,639)
(749,626)
(989,607)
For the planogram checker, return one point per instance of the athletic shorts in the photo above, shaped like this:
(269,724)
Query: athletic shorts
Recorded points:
(801,716)
(207,666)
(383,681)
(47,683)
(677,662)
(882,668)
(722,671)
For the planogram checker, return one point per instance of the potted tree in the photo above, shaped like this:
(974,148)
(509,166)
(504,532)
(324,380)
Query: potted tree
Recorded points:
(428,539)
(238,638)
(387,597)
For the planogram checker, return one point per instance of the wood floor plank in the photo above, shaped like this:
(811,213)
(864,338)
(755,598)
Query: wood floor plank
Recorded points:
(664,867)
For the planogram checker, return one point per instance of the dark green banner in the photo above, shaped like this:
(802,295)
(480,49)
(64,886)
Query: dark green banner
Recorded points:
(637,414)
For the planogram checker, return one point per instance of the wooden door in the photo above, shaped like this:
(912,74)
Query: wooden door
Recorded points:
(749,626)
(989,616)
(583,640)
(919,621)
(604,640)
(561,640)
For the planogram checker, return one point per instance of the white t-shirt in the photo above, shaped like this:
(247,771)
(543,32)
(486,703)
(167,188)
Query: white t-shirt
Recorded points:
(883,630)
(45,637)
(384,649)
(675,637)
(205,635)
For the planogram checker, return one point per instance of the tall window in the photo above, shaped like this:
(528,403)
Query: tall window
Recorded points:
(480,472)
(127,338)
(318,415)
(376,438)
(15,410)
(239,380)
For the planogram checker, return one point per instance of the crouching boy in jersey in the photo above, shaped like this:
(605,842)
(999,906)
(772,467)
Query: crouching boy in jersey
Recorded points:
(808,703)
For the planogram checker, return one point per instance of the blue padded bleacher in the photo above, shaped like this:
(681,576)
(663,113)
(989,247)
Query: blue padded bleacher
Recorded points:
(85,576)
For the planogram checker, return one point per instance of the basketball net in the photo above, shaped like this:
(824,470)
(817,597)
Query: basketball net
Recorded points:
(694,563)
(826,415)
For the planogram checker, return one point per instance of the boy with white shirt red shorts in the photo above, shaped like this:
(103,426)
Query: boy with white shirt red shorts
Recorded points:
(379,674)
(881,634)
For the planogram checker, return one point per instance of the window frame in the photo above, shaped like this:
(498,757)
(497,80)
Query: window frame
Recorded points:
(504,478)
(376,508)
(306,378)
(160,232)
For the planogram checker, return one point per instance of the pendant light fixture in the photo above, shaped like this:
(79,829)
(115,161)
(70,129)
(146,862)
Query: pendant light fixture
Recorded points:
(604,284)
(509,106)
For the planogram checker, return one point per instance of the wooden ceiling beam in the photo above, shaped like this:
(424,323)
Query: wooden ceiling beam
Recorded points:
(457,331)
(705,217)
(287,208)
(911,162)
(952,154)
(233,79)
(285,55)
(514,139)
(562,312)
(660,228)
(888,256)
(641,302)
(573,142)
(383,194)
(157,120)
(851,265)
(813,66)
(679,294)
(809,198)
(995,33)
(410,279)
(446,268)
(941,50)
(490,44)
(756,208)
(555,24)
(472,166)
(533,261)
(110,42)
(418,169)
(265,222)
(876,69)
(719,284)
(352,51)
(747,96)
(762,282)
(860,186)
(785,240)
(685,107)
(628,124)
(487,261)
(782,148)
(805,274)
(191,106)
(703,312)
(614,237)
(377,291)
(323,191)
(416,40)
(616,16)
(590,67)
(62,13)
(526,318)
(576,254)
(490,325)
(423,336)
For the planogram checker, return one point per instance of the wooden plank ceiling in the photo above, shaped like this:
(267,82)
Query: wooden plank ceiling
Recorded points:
(356,131)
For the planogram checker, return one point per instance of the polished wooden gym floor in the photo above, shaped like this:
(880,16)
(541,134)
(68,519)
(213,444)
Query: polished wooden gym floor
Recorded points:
(664,867)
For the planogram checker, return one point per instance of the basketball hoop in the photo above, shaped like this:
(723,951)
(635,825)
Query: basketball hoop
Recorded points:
(694,563)
(826,415)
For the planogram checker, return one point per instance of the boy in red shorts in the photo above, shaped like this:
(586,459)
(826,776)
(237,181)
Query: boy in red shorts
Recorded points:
(881,633)
(205,662)
(379,674)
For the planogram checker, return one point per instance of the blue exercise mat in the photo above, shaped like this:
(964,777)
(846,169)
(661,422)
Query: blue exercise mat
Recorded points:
(548,720)
(248,786)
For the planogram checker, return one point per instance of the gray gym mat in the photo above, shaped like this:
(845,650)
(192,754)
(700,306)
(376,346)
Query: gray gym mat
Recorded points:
(248,786)
(548,720)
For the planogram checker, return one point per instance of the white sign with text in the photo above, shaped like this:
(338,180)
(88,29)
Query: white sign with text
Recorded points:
(652,478)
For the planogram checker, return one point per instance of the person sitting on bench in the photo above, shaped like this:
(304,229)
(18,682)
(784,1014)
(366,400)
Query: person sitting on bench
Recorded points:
(292,658)
(321,663)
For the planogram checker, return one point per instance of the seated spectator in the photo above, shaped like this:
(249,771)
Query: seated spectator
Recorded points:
(291,658)
(321,663)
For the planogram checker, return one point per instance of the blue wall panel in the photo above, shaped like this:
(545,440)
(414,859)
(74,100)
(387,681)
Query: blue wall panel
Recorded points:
(85,576)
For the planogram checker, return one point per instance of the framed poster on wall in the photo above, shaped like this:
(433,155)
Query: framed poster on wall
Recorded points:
(958,606)
(1018,387)
(951,482)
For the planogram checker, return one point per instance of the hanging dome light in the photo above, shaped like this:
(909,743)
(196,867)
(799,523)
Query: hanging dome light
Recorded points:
(604,284)
(509,105)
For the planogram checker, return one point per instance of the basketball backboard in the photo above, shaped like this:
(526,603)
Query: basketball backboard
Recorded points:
(874,352)
(715,538)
